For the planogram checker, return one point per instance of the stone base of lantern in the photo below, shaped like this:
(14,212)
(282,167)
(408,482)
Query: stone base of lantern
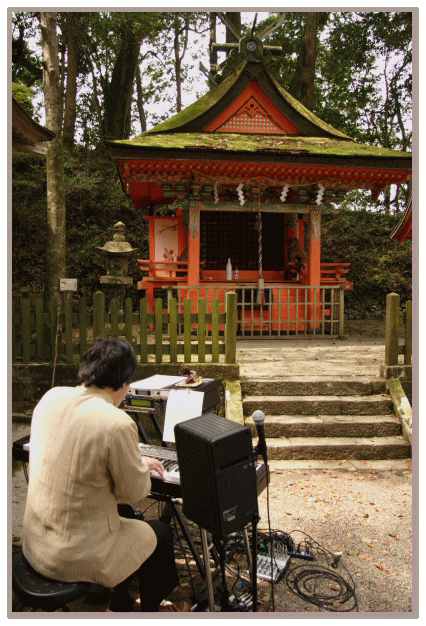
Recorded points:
(115,287)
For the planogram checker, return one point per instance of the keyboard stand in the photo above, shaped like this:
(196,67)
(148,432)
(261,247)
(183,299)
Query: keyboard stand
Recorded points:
(172,509)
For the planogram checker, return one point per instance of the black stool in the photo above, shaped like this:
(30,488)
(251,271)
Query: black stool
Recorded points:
(39,592)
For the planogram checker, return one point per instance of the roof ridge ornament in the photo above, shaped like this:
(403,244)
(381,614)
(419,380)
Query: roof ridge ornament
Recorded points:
(249,48)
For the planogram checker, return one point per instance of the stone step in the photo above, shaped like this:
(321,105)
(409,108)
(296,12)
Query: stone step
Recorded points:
(308,386)
(329,426)
(318,405)
(338,448)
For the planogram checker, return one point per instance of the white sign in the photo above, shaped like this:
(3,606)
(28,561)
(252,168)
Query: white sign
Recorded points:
(68,284)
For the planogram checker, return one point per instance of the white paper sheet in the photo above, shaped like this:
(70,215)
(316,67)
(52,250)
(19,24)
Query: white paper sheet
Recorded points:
(158,381)
(182,405)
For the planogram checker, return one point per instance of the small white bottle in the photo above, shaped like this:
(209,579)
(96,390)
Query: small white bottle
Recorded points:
(236,274)
(229,270)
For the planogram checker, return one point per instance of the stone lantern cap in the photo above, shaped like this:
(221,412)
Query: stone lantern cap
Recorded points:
(118,246)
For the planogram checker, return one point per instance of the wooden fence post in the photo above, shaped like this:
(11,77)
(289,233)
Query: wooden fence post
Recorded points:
(98,314)
(215,331)
(69,348)
(113,309)
(392,329)
(408,333)
(187,330)
(128,321)
(39,329)
(201,334)
(173,329)
(143,334)
(158,331)
(231,328)
(342,312)
(82,325)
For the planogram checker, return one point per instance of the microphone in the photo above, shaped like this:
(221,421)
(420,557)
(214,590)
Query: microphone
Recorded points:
(258,418)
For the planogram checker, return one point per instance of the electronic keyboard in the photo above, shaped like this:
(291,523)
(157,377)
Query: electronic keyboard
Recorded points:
(167,486)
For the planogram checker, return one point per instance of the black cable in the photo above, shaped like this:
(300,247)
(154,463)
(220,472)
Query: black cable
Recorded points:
(310,583)
(308,580)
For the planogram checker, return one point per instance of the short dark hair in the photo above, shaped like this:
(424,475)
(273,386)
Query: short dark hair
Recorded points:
(108,363)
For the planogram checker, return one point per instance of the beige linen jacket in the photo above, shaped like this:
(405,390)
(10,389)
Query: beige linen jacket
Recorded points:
(84,459)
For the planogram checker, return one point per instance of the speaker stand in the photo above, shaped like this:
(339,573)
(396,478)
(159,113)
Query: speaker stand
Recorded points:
(251,562)
(209,580)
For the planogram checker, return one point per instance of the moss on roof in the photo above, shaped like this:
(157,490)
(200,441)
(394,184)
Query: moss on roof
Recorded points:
(306,113)
(233,142)
(212,97)
(199,107)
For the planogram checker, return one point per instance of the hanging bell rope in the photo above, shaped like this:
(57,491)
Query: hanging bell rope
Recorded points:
(260,254)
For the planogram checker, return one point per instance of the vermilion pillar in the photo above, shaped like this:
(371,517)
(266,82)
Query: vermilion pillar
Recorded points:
(314,247)
(194,243)
(313,275)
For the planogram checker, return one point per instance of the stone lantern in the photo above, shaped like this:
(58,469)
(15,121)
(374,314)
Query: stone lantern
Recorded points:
(117,253)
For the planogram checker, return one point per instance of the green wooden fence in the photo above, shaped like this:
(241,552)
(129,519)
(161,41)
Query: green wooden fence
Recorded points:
(63,331)
(394,320)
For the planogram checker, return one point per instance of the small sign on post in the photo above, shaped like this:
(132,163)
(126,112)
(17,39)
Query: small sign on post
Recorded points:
(67,285)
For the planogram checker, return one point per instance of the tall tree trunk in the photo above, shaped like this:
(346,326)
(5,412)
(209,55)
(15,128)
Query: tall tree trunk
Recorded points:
(140,99)
(302,85)
(70,111)
(309,57)
(55,258)
(118,95)
(212,53)
(180,45)
(178,64)
(214,67)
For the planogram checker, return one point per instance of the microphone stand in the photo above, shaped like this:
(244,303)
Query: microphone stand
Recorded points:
(254,561)
(259,419)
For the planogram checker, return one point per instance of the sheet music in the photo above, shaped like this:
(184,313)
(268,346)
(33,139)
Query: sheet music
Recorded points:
(182,405)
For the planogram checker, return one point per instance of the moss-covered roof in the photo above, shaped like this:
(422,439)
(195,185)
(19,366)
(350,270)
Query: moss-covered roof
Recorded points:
(220,98)
(233,142)
(298,106)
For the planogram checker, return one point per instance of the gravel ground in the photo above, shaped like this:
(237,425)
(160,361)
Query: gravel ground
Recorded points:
(360,511)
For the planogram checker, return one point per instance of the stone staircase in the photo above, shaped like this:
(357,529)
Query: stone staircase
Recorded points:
(325,419)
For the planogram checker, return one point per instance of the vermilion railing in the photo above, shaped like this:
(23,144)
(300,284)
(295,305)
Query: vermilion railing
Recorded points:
(165,270)
(334,272)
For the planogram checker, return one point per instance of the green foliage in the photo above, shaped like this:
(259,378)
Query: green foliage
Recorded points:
(23,95)
(167,72)
(379,264)
(95,202)
(26,59)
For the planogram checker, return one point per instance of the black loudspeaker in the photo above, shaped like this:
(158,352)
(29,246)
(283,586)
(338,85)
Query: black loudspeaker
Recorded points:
(217,473)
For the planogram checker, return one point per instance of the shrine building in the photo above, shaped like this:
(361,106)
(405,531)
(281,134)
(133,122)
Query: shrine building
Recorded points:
(245,174)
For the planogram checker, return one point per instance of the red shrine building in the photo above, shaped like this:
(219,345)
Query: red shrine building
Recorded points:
(245,174)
